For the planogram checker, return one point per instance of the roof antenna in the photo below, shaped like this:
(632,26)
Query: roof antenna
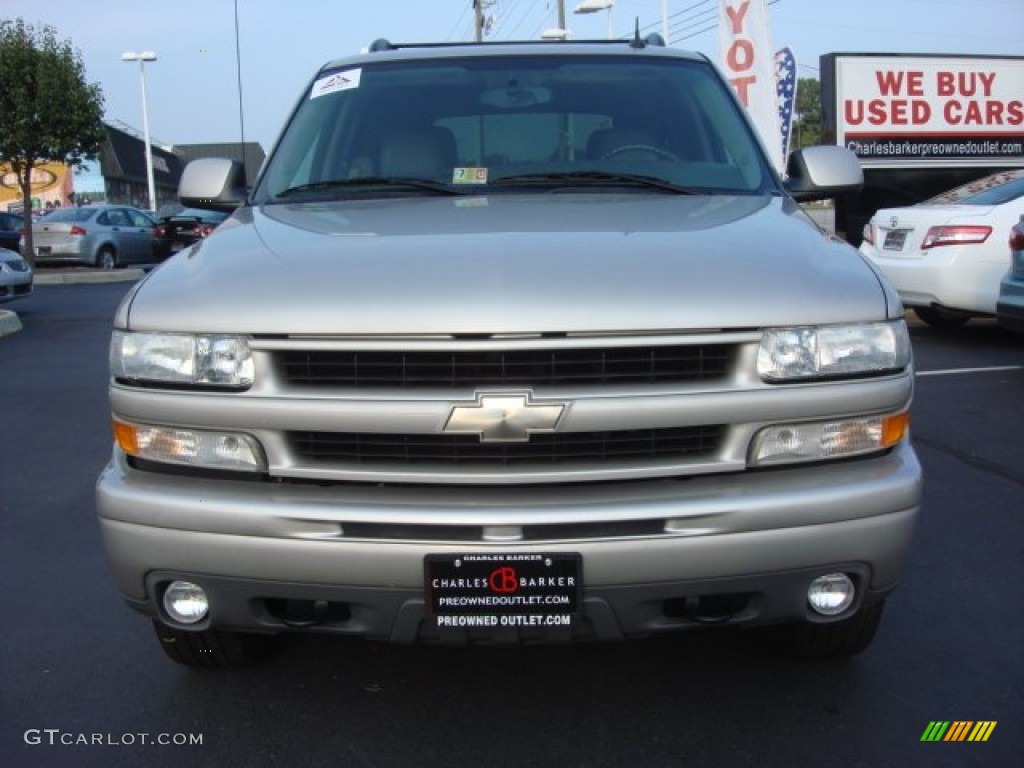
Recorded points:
(241,113)
(636,42)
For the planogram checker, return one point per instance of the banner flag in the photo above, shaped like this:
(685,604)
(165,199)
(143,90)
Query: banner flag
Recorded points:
(786,84)
(748,63)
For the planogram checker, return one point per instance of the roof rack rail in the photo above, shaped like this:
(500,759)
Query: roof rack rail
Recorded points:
(653,39)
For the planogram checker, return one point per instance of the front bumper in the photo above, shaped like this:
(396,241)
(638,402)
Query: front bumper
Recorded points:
(16,287)
(753,539)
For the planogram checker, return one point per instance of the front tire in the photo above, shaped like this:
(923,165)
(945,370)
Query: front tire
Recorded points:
(826,642)
(214,648)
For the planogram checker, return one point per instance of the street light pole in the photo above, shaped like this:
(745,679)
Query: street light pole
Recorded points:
(593,6)
(142,58)
(560,32)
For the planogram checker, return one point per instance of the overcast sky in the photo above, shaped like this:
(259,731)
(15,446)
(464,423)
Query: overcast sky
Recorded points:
(193,88)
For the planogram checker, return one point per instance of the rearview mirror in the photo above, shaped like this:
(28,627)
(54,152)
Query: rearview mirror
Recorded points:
(515,97)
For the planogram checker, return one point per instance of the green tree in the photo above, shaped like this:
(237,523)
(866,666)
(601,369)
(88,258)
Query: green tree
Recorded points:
(807,120)
(48,112)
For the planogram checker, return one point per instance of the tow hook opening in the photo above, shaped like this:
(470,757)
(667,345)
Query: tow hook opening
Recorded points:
(708,609)
(301,614)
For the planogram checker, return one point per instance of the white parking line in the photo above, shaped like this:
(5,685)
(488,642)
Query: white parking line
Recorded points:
(990,369)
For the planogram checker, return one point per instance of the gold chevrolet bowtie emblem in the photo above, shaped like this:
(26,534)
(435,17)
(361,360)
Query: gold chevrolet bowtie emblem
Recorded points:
(507,418)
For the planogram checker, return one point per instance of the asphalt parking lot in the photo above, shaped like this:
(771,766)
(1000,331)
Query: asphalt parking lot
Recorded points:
(84,683)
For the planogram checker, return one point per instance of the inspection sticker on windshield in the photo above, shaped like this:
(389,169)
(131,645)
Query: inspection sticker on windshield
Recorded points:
(504,590)
(339,81)
(469,176)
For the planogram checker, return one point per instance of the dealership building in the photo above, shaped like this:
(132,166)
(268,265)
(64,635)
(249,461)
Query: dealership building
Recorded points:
(122,166)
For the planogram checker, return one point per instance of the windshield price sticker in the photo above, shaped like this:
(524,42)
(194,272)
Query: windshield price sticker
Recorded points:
(502,590)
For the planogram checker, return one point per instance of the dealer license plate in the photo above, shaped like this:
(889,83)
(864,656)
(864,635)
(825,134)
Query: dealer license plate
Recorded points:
(504,590)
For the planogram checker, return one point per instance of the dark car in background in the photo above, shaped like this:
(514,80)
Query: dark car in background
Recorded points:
(10,230)
(1010,305)
(104,236)
(175,232)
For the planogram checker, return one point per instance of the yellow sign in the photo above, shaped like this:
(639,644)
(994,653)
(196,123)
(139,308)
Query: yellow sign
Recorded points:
(52,184)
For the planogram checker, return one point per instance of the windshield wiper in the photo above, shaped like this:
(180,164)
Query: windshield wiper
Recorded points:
(598,178)
(389,182)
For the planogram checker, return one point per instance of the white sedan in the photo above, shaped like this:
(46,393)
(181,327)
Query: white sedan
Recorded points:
(947,255)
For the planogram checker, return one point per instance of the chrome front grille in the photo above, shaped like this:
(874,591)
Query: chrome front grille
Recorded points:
(601,366)
(380,409)
(595,448)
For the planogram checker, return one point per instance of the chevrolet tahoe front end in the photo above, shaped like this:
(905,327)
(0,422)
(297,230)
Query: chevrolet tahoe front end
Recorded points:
(511,398)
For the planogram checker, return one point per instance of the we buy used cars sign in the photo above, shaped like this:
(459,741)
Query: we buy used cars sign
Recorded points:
(911,111)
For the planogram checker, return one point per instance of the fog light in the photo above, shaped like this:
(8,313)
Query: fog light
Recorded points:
(186,602)
(820,441)
(832,594)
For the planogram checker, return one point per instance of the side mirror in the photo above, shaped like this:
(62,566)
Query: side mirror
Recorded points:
(214,184)
(818,173)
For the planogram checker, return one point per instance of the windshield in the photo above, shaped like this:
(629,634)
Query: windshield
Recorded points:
(501,124)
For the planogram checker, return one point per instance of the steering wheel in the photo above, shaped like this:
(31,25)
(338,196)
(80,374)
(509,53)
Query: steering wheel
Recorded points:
(664,154)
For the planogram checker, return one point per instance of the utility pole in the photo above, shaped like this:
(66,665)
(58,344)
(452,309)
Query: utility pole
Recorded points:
(481,22)
(478,22)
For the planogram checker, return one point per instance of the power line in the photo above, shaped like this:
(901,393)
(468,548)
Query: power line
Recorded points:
(685,24)
(502,12)
(704,17)
(711,25)
(527,13)
(462,16)
(680,13)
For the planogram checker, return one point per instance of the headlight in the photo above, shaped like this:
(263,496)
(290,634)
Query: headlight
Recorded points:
(183,359)
(190,447)
(833,351)
(13,266)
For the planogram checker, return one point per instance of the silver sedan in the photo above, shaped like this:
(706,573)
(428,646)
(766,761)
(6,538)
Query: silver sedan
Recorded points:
(15,276)
(104,236)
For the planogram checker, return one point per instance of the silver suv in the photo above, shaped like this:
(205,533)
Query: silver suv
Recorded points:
(511,343)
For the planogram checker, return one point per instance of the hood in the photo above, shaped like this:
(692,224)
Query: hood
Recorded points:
(550,263)
(11,257)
